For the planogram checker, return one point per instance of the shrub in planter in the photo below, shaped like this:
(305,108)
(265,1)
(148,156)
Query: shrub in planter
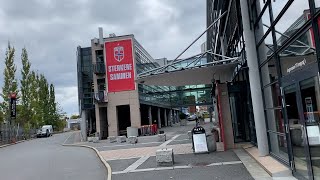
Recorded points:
(182,116)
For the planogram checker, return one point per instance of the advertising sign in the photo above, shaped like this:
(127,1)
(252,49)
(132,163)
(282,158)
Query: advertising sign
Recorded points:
(199,140)
(13,104)
(119,65)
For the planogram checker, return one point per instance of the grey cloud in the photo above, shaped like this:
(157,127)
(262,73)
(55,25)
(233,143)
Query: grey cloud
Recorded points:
(51,31)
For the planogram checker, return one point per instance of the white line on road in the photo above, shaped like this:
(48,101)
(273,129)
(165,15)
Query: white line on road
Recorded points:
(120,145)
(68,138)
(167,142)
(168,168)
(136,164)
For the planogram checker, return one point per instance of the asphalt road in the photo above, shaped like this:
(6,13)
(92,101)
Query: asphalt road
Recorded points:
(47,159)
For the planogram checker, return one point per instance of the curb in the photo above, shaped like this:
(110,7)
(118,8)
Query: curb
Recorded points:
(16,143)
(104,162)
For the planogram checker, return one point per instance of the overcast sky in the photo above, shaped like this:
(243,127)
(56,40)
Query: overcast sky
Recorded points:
(52,29)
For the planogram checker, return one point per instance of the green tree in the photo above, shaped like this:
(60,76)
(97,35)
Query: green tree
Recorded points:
(10,82)
(52,106)
(35,104)
(1,115)
(74,116)
(25,114)
(43,99)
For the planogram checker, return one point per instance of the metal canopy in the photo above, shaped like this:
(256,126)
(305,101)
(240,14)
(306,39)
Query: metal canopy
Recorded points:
(192,70)
(192,76)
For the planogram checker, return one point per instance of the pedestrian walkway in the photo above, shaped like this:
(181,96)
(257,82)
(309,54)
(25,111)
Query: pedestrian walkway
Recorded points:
(138,161)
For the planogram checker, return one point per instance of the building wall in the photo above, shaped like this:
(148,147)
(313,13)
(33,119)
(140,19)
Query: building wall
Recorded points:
(123,98)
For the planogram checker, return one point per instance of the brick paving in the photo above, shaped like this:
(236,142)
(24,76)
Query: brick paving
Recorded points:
(144,151)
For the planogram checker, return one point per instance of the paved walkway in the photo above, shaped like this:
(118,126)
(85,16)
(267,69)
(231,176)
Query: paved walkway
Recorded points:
(138,161)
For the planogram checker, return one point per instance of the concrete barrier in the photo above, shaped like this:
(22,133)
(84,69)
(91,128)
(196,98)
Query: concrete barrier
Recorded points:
(132,131)
(132,139)
(112,139)
(121,139)
(164,157)
(93,139)
(162,137)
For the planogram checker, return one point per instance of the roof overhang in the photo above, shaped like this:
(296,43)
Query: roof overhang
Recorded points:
(192,76)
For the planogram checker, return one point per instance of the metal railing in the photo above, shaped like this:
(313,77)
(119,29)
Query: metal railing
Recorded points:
(12,134)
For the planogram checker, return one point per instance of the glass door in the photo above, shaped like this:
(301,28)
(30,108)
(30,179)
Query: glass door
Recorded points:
(302,100)
(296,130)
(310,101)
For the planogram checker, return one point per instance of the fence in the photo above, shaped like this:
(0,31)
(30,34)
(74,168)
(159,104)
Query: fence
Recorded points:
(11,134)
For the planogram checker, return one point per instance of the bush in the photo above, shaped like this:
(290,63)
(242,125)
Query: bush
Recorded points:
(183,116)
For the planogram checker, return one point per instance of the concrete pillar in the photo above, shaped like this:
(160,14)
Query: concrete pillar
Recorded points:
(84,125)
(254,77)
(165,118)
(113,127)
(170,117)
(210,113)
(177,116)
(98,119)
(159,118)
(150,115)
(215,109)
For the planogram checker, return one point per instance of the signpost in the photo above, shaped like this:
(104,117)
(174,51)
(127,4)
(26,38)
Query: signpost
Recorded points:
(199,140)
(13,105)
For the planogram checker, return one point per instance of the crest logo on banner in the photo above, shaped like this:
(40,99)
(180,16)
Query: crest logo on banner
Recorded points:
(118,53)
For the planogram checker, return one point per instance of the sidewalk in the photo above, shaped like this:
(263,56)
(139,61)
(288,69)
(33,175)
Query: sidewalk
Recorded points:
(138,161)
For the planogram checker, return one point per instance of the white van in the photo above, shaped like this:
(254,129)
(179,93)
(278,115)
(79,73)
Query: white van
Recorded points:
(45,131)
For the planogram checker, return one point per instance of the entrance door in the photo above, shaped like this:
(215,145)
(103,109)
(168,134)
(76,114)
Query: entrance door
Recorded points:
(302,99)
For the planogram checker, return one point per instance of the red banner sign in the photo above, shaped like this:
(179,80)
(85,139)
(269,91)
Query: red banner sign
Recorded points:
(120,67)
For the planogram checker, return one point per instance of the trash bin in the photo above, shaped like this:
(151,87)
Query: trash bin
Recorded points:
(215,132)
(211,142)
(199,140)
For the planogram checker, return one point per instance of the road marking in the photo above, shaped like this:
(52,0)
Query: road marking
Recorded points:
(181,167)
(120,145)
(171,168)
(232,162)
(167,142)
(215,164)
(68,138)
(136,164)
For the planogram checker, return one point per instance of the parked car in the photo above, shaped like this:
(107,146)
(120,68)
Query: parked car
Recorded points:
(45,131)
(192,117)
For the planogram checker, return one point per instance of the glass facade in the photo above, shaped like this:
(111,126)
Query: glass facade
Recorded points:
(287,40)
(173,96)
(85,78)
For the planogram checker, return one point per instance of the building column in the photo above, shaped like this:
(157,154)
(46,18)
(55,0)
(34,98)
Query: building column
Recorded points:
(165,118)
(113,127)
(159,118)
(254,77)
(149,115)
(84,123)
(210,113)
(98,119)
(175,117)
(178,117)
(170,117)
